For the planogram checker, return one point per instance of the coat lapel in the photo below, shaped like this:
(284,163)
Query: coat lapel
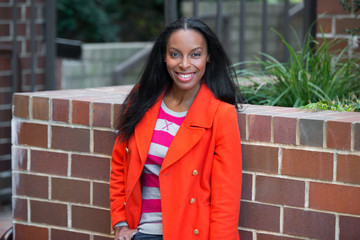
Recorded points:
(199,117)
(144,130)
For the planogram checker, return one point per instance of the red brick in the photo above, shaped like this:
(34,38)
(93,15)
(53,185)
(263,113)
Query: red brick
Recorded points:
(48,213)
(280,191)
(259,128)
(25,62)
(32,134)
(4,30)
(245,235)
(339,44)
(57,234)
(269,220)
(25,232)
(30,185)
(104,142)
(6,13)
(242,125)
(357,137)
(338,135)
(101,195)
(40,108)
(20,158)
(5,98)
(101,115)
(5,62)
(5,115)
(90,167)
(335,198)
(246,190)
(70,190)
(308,164)
(348,168)
(5,81)
(5,166)
(264,236)
(60,110)
(5,148)
(5,132)
(285,130)
(349,227)
(21,31)
(83,218)
(20,209)
(40,62)
(70,139)
(324,24)
(329,7)
(80,112)
(49,162)
(343,24)
(260,158)
(309,224)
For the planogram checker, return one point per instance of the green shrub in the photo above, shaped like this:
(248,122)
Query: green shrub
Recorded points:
(309,76)
(351,104)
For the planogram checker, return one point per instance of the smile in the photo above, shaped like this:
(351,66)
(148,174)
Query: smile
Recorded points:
(185,77)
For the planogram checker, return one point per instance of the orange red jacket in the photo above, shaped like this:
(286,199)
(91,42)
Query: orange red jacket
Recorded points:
(200,178)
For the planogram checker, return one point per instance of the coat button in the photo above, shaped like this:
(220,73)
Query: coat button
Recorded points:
(195,172)
(192,200)
(127,150)
(196,232)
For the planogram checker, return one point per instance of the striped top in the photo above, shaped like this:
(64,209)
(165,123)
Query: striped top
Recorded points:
(167,125)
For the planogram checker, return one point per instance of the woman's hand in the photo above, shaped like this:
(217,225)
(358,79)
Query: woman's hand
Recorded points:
(124,233)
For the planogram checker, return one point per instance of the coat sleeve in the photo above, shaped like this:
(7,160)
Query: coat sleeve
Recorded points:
(117,183)
(226,176)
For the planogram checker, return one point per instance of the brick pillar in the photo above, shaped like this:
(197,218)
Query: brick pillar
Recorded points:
(334,21)
(25,63)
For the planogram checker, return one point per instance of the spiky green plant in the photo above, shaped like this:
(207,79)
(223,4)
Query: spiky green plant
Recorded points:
(310,75)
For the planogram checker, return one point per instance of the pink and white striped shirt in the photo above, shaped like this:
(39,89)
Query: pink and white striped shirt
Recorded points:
(167,125)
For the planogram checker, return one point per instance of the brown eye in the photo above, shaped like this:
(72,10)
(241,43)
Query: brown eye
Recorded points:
(174,54)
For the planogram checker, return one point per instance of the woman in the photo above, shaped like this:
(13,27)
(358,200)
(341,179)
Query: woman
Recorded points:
(176,164)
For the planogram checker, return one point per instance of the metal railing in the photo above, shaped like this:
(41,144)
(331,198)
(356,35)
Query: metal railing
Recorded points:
(307,6)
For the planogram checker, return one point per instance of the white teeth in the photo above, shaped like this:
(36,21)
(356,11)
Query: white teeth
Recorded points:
(185,76)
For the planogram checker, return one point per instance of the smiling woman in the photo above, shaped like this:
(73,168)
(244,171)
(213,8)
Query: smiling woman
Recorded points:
(176,164)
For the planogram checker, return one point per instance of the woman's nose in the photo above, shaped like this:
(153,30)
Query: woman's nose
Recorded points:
(185,63)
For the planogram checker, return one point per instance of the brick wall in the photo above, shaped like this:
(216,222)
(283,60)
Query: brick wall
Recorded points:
(300,169)
(24,65)
(334,21)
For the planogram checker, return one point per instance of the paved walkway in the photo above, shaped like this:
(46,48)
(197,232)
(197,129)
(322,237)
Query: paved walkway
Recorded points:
(5,219)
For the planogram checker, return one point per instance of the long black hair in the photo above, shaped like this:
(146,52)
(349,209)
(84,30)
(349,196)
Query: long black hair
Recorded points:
(219,76)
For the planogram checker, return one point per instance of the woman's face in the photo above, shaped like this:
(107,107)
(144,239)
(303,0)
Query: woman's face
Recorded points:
(186,56)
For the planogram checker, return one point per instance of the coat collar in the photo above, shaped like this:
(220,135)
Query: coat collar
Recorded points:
(199,117)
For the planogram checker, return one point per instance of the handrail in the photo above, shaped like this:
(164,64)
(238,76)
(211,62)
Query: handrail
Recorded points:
(130,63)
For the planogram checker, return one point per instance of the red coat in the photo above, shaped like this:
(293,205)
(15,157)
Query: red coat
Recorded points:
(200,178)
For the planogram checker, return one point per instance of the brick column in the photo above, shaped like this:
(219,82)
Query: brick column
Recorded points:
(23,47)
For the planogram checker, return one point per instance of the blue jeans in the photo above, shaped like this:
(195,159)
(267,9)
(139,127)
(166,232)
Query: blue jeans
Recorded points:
(142,236)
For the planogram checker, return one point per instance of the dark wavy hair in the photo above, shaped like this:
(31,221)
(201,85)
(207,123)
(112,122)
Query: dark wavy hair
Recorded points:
(219,76)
